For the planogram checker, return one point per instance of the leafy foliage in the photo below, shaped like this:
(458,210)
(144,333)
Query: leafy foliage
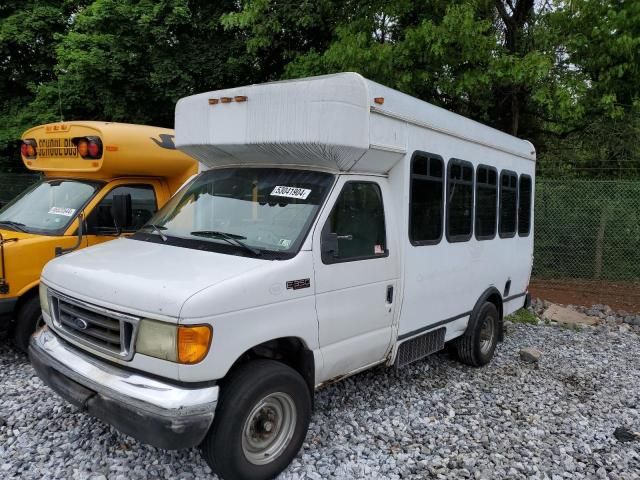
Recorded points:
(563,74)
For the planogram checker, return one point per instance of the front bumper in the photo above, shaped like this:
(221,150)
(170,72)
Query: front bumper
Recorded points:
(154,412)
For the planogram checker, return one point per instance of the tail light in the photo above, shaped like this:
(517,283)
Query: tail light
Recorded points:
(88,147)
(28,149)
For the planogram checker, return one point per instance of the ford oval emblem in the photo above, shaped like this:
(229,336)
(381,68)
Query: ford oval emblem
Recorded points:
(80,324)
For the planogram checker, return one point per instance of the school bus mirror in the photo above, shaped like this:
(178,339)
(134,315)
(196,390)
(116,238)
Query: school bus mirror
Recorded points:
(121,212)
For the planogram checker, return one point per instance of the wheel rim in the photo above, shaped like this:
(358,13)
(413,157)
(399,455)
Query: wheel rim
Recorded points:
(269,428)
(487,332)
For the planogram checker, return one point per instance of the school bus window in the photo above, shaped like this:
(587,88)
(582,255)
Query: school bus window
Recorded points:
(143,206)
(524,205)
(459,200)
(486,202)
(426,207)
(508,203)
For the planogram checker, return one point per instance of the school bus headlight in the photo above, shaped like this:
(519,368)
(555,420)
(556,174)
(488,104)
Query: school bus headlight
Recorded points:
(44,299)
(183,344)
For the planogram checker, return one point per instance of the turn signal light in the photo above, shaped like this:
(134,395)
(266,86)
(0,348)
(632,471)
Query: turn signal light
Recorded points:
(193,343)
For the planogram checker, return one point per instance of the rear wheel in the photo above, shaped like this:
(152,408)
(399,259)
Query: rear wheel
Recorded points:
(260,423)
(477,345)
(28,319)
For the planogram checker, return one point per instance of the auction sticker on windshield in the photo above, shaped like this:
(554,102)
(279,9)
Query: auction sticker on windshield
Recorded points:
(291,192)
(67,212)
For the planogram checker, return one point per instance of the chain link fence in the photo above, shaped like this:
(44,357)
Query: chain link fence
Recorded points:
(587,241)
(11,184)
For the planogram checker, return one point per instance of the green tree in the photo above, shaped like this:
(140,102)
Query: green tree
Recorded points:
(492,60)
(600,41)
(28,32)
(131,60)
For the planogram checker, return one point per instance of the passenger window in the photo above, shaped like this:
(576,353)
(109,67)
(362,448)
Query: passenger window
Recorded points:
(486,202)
(524,206)
(355,230)
(143,206)
(426,207)
(508,203)
(459,200)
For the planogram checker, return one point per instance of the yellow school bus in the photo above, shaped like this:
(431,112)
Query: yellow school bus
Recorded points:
(100,180)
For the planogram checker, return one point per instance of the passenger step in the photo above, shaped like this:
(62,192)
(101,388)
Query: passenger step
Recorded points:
(420,347)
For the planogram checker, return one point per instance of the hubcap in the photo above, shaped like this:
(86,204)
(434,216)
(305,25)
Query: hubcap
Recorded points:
(269,428)
(487,331)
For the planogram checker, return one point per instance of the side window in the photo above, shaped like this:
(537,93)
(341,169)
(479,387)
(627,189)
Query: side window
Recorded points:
(143,206)
(508,203)
(426,207)
(459,200)
(486,202)
(524,205)
(355,230)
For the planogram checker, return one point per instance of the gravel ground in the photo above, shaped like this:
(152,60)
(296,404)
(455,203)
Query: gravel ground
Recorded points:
(434,419)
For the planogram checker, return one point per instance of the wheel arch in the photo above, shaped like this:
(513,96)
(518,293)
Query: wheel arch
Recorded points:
(292,351)
(27,294)
(491,295)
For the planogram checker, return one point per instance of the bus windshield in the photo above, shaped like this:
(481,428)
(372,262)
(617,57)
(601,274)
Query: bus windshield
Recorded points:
(48,207)
(248,211)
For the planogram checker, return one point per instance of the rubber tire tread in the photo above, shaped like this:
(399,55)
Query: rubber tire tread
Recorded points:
(25,325)
(223,443)
(468,346)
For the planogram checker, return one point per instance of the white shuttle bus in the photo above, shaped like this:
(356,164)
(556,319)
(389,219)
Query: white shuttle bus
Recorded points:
(337,225)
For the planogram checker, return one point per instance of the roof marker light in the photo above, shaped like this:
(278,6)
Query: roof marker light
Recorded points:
(379,100)
(226,100)
(240,98)
(213,101)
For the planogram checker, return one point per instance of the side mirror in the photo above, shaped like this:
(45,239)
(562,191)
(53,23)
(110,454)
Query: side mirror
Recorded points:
(121,211)
(330,245)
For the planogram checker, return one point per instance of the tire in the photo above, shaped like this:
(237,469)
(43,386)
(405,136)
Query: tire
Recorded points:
(232,447)
(27,320)
(478,344)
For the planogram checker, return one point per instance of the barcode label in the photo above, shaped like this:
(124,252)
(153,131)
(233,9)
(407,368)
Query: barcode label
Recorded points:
(291,192)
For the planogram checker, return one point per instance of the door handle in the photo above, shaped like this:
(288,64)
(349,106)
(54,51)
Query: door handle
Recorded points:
(389,294)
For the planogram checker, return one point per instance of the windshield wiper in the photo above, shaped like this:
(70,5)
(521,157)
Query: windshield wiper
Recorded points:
(229,238)
(157,229)
(17,225)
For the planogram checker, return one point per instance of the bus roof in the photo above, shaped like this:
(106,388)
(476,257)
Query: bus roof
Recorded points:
(340,122)
(125,150)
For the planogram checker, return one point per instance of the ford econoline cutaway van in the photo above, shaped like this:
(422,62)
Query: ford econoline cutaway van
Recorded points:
(338,225)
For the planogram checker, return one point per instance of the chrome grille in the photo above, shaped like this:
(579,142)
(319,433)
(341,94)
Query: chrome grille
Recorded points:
(104,330)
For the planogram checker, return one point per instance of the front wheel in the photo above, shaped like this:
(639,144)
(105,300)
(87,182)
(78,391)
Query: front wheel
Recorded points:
(28,319)
(477,345)
(260,423)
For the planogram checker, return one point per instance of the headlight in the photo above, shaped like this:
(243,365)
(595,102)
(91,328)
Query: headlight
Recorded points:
(183,344)
(44,299)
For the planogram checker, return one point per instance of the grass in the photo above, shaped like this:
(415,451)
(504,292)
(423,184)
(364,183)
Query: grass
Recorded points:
(523,316)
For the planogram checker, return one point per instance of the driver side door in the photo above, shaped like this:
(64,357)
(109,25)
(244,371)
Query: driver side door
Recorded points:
(356,273)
